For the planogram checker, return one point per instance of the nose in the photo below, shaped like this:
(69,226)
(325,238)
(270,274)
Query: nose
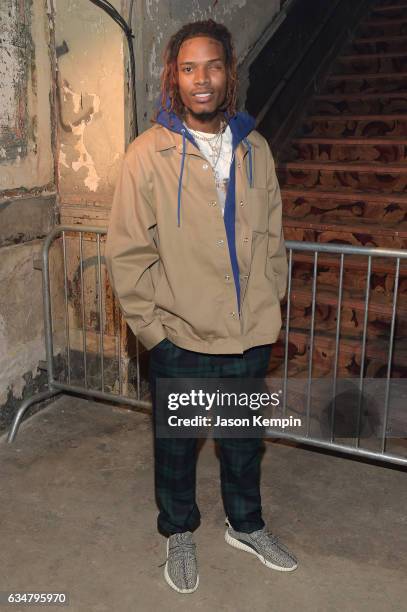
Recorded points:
(201,75)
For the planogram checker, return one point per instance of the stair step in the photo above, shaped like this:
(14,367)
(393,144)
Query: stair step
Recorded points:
(379,304)
(354,272)
(352,319)
(376,348)
(357,263)
(376,355)
(361,95)
(372,46)
(356,210)
(389,7)
(356,195)
(348,176)
(380,311)
(364,84)
(370,166)
(371,70)
(382,27)
(351,346)
(360,117)
(349,140)
(347,126)
(336,104)
(330,228)
(348,226)
(356,206)
(357,115)
(369,39)
(371,56)
(346,149)
(382,22)
(367,76)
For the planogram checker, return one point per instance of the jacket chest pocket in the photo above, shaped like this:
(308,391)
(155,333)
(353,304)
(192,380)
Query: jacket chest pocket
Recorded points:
(257,209)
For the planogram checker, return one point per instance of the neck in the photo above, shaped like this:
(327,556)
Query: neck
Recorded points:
(205,122)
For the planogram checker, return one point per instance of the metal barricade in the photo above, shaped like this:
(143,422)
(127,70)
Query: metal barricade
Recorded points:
(57,387)
(380,384)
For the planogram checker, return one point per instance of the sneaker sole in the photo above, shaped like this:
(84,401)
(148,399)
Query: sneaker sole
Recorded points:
(172,584)
(239,545)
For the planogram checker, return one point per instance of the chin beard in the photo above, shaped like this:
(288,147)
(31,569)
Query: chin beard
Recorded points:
(205,116)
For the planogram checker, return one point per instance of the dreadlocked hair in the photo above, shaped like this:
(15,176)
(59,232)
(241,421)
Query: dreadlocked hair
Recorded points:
(169,87)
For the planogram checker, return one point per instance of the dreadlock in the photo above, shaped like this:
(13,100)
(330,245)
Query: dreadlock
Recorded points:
(169,88)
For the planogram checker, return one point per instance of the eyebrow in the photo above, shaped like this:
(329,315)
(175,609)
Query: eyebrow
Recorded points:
(216,59)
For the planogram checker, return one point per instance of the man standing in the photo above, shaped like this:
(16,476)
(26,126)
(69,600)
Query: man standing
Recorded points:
(196,257)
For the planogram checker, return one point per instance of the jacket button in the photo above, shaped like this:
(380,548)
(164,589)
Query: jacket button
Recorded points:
(205,166)
(233,315)
(227,277)
(245,239)
(212,203)
(245,276)
(220,242)
(241,203)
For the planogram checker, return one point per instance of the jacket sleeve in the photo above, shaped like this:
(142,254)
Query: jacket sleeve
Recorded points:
(130,252)
(276,251)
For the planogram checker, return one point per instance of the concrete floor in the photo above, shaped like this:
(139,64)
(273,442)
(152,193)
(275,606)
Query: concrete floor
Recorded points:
(78,515)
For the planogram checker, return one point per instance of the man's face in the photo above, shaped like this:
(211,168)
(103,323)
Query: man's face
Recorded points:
(202,78)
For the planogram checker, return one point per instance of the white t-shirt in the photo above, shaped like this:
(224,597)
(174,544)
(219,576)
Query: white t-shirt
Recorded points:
(222,169)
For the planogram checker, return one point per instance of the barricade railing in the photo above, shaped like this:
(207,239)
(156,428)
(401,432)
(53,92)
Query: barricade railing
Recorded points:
(76,305)
(362,389)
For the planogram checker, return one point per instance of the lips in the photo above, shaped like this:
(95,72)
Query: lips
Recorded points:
(203,96)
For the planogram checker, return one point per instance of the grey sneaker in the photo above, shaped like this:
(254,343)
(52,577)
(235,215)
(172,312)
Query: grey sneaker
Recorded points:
(181,570)
(265,546)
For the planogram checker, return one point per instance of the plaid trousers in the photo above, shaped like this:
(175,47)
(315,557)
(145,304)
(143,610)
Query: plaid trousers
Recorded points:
(175,458)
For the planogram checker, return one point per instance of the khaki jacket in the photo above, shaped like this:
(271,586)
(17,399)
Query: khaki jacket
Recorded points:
(176,281)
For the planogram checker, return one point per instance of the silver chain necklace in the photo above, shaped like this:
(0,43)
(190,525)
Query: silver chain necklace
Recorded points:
(216,147)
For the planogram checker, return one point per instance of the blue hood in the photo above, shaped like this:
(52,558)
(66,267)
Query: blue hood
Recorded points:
(241,124)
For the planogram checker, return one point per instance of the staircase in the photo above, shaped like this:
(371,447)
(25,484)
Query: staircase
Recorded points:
(343,179)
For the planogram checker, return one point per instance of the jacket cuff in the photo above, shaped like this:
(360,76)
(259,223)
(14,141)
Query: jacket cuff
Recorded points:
(151,334)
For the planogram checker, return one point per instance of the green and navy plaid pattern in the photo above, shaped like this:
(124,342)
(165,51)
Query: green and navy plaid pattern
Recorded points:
(175,458)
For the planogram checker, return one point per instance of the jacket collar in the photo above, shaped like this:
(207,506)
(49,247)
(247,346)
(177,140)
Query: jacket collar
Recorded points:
(241,124)
(168,139)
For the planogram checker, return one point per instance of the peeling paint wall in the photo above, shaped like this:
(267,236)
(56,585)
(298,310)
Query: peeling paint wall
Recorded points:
(27,190)
(16,47)
(91,108)
(26,158)
(90,103)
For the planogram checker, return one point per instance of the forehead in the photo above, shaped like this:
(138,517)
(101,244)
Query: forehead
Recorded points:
(200,48)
